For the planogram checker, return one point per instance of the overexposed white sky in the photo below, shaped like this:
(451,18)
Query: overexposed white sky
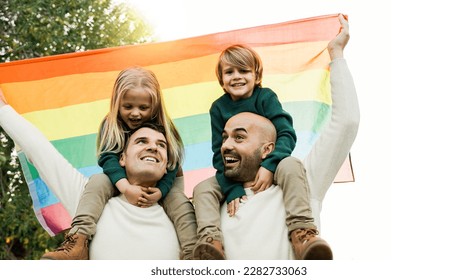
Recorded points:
(175,19)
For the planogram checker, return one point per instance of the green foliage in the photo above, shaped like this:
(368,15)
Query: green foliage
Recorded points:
(22,237)
(35,28)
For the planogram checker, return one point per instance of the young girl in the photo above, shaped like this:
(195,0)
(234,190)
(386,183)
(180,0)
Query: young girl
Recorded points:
(136,98)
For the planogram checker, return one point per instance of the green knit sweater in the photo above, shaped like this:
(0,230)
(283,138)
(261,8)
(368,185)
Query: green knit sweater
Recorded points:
(263,102)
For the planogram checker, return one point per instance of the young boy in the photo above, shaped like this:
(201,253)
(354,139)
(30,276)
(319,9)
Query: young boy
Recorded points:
(239,73)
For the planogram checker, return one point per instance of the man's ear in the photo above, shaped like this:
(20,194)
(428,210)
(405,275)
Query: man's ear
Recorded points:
(267,148)
(122,160)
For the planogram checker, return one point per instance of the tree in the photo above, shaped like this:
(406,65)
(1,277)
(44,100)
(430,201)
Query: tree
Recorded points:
(35,28)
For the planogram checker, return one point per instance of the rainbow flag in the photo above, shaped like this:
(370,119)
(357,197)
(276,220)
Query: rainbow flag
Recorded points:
(66,96)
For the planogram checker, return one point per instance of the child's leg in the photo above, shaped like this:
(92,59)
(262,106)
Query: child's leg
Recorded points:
(181,211)
(207,198)
(96,194)
(290,177)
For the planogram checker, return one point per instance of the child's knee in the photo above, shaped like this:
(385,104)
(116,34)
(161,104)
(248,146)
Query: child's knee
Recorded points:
(100,183)
(290,165)
(100,179)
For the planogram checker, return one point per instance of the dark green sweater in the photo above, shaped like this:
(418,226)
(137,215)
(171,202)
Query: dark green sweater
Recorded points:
(263,102)
(110,164)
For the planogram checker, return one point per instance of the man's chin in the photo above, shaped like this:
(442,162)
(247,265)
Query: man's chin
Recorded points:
(150,176)
(230,173)
(237,176)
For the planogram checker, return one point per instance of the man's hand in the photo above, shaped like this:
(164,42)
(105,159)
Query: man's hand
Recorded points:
(337,45)
(149,197)
(264,179)
(233,206)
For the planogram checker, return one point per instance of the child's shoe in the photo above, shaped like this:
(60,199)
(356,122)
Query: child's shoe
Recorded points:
(209,250)
(74,247)
(308,246)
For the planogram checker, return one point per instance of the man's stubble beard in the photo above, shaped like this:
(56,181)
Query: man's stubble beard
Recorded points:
(247,170)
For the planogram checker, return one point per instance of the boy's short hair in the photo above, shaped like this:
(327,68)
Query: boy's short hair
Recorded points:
(242,57)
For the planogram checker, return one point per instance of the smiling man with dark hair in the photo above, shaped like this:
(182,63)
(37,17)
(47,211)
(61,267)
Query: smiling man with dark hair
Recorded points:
(145,156)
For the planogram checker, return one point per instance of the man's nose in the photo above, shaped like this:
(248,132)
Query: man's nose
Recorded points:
(227,145)
(152,147)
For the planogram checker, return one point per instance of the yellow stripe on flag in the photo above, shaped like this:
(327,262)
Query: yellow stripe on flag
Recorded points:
(69,121)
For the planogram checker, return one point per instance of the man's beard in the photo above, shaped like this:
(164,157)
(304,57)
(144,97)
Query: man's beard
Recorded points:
(247,169)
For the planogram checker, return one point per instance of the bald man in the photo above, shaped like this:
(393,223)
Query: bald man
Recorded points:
(248,139)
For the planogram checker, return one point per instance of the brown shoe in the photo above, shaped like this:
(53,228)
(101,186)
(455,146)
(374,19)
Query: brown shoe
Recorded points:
(74,247)
(209,250)
(308,246)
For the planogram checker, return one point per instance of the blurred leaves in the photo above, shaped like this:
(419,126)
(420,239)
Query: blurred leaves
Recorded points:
(34,28)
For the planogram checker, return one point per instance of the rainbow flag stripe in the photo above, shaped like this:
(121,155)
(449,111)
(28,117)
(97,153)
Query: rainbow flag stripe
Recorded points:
(66,96)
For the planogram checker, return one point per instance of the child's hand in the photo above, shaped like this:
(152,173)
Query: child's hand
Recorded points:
(233,206)
(264,179)
(336,45)
(133,194)
(150,196)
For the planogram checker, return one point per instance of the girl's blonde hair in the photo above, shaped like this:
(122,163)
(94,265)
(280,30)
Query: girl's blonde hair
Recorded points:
(112,132)
(242,57)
